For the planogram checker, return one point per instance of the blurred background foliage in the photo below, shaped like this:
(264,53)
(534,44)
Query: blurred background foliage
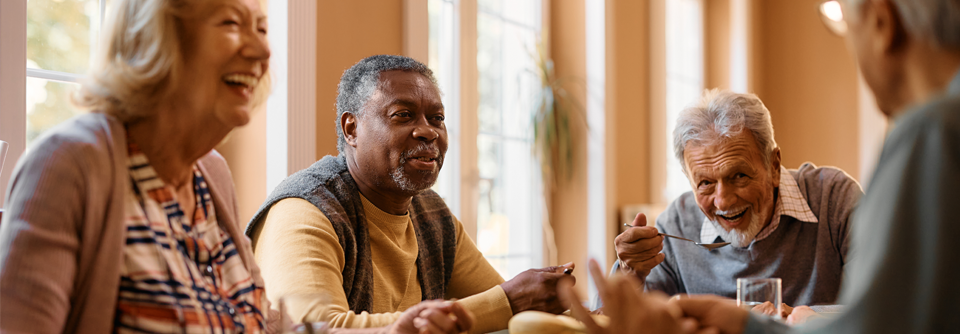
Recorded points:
(61,35)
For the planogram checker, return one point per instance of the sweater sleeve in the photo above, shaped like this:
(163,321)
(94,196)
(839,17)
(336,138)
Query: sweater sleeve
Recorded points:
(478,284)
(40,241)
(299,254)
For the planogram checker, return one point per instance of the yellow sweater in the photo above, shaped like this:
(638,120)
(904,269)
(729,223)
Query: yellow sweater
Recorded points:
(299,253)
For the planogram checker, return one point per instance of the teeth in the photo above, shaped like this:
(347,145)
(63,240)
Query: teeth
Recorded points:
(243,79)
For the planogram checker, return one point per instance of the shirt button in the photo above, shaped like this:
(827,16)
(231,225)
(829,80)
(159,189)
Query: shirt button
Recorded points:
(210,271)
(232,311)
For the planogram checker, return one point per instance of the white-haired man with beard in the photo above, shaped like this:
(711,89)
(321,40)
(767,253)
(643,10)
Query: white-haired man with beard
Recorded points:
(786,223)
(365,230)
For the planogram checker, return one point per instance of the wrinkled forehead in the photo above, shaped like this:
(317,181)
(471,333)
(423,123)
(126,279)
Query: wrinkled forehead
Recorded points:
(712,146)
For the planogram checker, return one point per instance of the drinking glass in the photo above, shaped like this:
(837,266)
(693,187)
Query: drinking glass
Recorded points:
(752,292)
(304,314)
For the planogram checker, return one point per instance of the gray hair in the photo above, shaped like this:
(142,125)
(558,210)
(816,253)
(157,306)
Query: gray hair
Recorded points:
(360,81)
(724,114)
(936,21)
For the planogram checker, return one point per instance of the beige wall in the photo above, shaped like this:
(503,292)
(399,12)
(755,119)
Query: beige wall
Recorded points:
(809,82)
(246,152)
(347,32)
(569,204)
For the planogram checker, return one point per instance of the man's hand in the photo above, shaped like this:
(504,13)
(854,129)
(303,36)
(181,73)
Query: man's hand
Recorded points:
(714,314)
(768,309)
(638,248)
(433,316)
(536,289)
(630,310)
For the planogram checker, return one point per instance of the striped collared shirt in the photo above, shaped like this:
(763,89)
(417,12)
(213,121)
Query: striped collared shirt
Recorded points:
(178,274)
(789,202)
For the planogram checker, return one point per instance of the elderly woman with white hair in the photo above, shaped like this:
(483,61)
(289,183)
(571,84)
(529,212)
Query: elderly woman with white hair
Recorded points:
(787,223)
(125,219)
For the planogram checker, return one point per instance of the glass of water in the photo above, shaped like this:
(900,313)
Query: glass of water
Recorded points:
(753,292)
(304,314)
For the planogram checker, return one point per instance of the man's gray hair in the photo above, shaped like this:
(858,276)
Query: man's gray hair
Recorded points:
(360,81)
(724,114)
(935,21)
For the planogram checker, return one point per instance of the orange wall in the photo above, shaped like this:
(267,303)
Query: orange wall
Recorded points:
(347,32)
(808,80)
(628,78)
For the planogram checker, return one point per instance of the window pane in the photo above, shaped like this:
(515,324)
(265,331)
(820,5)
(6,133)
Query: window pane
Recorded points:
(684,60)
(442,46)
(509,214)
(48,104)
(61,34)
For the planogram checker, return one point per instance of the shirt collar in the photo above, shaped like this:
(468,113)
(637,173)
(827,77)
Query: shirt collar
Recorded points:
(954,87)
(790,202)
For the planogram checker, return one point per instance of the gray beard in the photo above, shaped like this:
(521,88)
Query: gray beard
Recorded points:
(400,178)
(403,182)
(740,237)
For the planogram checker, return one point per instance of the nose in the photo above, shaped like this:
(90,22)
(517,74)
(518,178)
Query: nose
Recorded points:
(425,131)
(256,47)
(725,196)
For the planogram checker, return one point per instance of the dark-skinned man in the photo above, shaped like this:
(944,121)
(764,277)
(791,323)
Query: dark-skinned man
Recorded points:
(365,229)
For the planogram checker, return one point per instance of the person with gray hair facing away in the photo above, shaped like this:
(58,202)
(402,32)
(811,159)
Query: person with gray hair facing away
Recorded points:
(786,223)
(365,229)
(904,273)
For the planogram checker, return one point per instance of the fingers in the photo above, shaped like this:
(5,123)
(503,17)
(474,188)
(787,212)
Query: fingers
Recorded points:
(436,318)
(598,276)
(644,266)
(555,269)
(699,306)
(640,220)
(464,318)
(424,326)
(572,300)
(636,233)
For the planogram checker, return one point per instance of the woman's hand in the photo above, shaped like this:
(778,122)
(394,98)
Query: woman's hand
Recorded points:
(435,317)
(629,308)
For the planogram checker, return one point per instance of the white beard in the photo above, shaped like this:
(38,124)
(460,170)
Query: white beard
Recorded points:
(740,237)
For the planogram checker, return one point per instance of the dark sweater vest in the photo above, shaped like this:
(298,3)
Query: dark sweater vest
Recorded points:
(328,185)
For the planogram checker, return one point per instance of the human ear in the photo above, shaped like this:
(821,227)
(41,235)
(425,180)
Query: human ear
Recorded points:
(889,35)
(348,124)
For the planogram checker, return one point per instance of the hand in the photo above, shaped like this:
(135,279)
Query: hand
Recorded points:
(433,316)
(767,308)
(629,309)
(714,314)
(536,289)
(638,248)
(801,314)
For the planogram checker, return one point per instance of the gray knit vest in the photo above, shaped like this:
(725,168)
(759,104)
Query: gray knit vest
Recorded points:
(328,185)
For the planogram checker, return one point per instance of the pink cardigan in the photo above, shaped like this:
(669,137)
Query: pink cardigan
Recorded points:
(62,235)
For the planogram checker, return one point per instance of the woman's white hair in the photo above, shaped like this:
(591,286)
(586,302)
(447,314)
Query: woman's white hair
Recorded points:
(139,57)
(936,21)
(724,114)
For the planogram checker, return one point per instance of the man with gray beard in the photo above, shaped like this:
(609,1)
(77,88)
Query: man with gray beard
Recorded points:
(791,224)
(364,230)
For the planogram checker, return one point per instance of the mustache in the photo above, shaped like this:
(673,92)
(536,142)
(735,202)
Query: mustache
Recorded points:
(423,149)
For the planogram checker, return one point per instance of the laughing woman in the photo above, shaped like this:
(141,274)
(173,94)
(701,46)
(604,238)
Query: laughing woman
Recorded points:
(125,219)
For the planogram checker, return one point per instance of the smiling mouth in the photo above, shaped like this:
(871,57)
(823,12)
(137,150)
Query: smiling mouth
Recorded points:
(425,159)
(240,80)
(733,217)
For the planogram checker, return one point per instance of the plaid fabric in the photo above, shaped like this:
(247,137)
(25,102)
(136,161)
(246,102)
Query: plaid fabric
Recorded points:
(789,202)
(180,275)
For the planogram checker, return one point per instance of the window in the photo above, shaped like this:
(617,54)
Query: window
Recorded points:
(510,203)
(61,40)
(444,61)
(684,47)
